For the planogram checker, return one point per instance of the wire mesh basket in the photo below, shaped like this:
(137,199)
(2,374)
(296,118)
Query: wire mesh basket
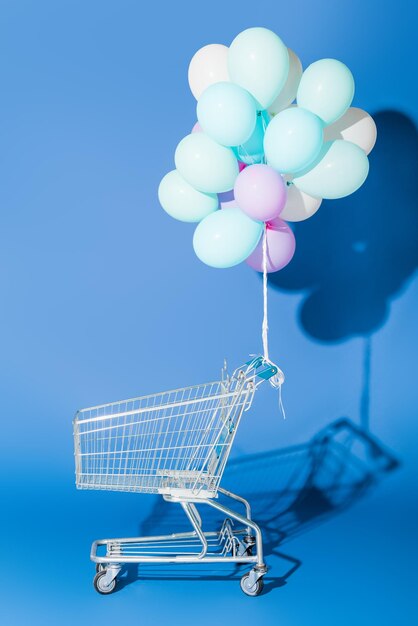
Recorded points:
(176,442)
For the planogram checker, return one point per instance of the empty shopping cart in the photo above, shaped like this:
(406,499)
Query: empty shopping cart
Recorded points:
(176,444)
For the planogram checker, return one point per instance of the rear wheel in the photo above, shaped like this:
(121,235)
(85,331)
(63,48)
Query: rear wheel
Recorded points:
(100,585)
(251,590)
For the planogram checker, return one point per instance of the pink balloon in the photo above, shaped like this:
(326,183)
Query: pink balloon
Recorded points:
(281,246)
(197,128)
(260,192)
(241,165)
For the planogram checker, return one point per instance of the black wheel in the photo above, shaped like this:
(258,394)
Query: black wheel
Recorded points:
(99,585)
(249,539)
(253,590)
(249,542)
(100,567)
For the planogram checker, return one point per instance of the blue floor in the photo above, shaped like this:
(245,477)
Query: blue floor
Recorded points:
(340,539)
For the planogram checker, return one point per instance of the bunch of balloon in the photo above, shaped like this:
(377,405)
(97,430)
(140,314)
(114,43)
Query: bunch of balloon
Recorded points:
(270,143)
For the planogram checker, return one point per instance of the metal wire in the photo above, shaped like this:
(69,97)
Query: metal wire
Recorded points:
(176,442)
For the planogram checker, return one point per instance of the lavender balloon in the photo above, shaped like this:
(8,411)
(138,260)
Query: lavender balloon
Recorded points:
(281,246)
(260,192)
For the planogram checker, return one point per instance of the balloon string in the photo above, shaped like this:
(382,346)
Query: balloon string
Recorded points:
(278,379)
(265,326)
(281,407)
(246,155)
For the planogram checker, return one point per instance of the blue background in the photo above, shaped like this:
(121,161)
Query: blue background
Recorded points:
(103,298)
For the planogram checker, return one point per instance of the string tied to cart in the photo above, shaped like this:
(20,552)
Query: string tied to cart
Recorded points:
(278,378)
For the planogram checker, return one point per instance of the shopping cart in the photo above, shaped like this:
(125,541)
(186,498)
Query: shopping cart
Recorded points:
(176,444)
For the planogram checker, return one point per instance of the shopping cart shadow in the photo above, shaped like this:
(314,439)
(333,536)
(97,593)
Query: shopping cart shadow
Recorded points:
(290,490)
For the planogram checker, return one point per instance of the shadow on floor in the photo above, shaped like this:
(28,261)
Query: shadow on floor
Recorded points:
(290,490)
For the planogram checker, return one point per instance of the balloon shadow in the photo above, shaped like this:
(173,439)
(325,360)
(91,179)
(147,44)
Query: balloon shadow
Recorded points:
(356,254)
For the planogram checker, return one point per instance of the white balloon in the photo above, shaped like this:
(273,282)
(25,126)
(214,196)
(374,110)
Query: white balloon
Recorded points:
(289,91)
(356,126)
(299,205)
(208,66)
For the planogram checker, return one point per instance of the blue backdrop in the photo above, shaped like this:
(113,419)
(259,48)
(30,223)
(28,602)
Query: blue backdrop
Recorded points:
(103,298)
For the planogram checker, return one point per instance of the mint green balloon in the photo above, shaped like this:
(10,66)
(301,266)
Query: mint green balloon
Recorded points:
(342,168)
(184,202)
(206,165)
(226,238)
(252,151)
(227,113)
(258,60)
(327,89)
(293,140)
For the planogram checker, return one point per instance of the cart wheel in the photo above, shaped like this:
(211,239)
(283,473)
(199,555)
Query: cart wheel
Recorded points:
(255,590)
(99,585)
(100,567)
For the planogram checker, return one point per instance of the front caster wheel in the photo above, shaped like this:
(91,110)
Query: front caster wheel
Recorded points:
(251,590)
(100,586)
